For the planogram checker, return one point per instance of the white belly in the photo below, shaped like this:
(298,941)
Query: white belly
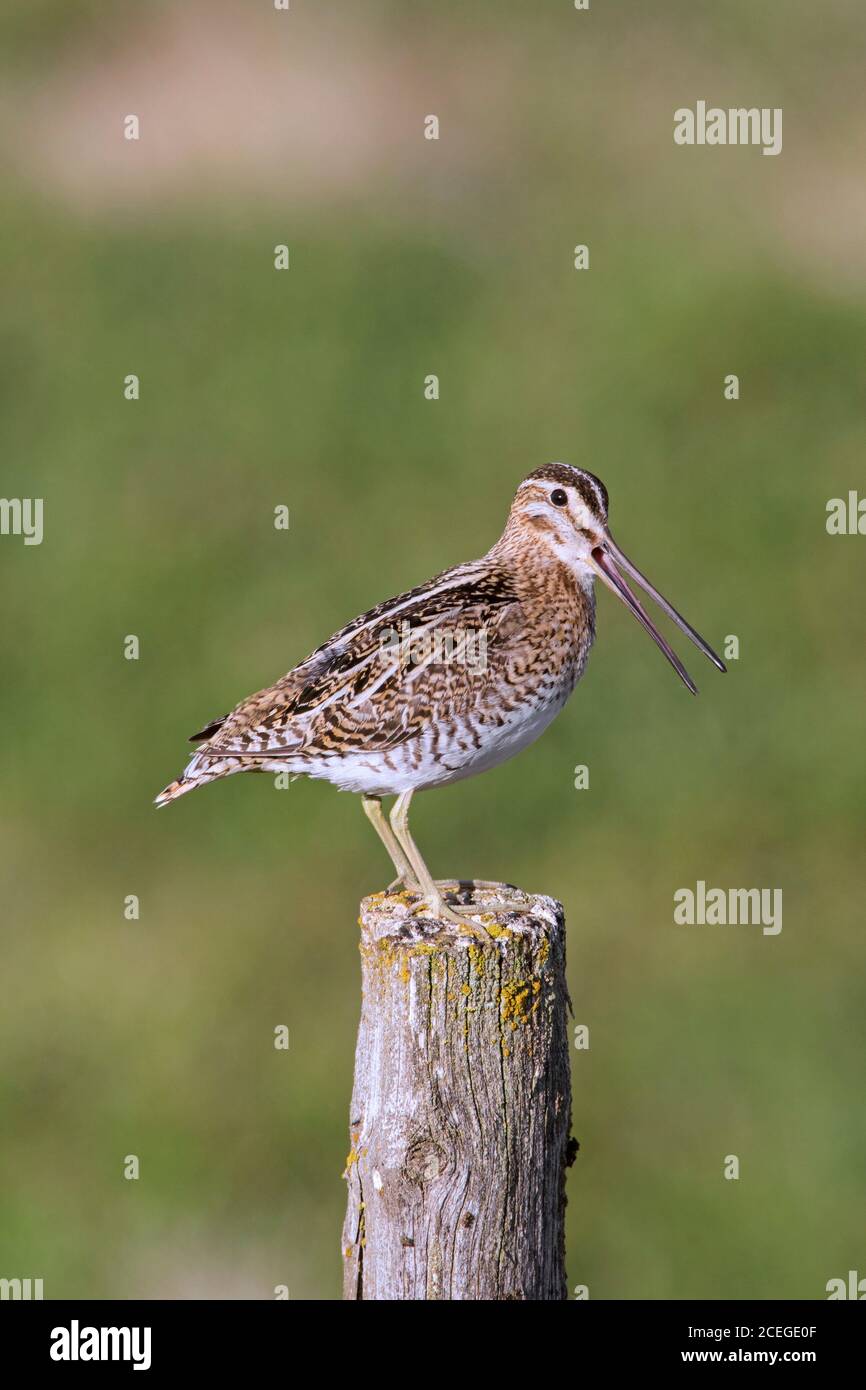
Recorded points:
(420,763)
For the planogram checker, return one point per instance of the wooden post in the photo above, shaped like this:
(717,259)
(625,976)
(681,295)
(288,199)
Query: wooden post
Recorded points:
(461,1107)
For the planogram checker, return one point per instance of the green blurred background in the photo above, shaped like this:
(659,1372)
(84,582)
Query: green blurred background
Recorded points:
(305,388)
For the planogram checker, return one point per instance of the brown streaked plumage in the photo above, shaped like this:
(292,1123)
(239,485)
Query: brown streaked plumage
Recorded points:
(445,680)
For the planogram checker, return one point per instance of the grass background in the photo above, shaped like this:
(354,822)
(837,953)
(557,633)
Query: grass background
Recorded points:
(306,388)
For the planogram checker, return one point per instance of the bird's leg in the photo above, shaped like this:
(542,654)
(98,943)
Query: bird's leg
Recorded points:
(429,887)
(376,816)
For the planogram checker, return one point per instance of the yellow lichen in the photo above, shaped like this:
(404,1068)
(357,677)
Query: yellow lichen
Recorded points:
(493,928)
(513,999)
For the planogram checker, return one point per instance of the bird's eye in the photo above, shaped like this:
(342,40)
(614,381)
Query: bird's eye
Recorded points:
(559,498)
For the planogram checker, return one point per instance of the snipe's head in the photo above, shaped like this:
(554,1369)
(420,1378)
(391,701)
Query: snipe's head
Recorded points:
(564,510)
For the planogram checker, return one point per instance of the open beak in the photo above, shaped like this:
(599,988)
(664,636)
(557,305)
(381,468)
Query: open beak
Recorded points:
(605,557)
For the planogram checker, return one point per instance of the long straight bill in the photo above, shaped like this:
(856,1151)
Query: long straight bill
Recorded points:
(603,557)
(623,560)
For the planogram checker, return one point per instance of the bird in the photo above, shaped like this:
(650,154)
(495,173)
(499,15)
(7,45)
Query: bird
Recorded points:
(448,679)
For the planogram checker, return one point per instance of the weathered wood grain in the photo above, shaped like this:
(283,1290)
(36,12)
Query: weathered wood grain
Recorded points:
(461,1108)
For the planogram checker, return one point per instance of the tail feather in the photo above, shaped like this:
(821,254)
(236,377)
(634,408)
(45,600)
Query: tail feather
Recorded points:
(179,787)
(199,770)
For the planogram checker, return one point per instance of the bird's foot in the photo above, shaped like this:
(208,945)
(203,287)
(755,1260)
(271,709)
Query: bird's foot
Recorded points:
(486,929)
(476,895)
(466,923)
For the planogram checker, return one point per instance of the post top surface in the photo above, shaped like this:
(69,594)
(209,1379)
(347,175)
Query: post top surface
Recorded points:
(501,909)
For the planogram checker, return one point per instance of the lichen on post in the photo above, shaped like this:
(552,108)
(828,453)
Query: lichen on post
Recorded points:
(461,1106)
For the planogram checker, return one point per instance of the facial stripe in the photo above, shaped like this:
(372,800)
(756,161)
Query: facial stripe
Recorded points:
(590,489)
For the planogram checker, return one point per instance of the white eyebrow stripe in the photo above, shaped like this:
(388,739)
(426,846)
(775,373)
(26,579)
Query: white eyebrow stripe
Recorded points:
(544,483)
(550,486)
